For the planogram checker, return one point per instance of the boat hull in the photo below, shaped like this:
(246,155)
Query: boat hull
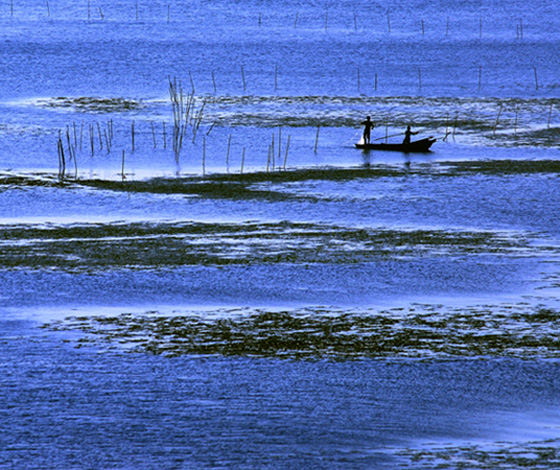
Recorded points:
(417,146)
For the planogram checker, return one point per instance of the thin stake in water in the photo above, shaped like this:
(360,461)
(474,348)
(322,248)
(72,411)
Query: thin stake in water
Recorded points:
(153,134)
(227,154)
(536,78)
(192,81)
(132,135)
(479,77)
(498,119)
(286,155)
(203,156)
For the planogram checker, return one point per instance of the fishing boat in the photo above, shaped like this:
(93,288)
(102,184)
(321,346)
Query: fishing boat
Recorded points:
(418,146)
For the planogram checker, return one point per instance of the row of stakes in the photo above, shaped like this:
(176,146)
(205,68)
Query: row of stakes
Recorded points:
(101,137)
(359,79)
(68,144)
(422,24)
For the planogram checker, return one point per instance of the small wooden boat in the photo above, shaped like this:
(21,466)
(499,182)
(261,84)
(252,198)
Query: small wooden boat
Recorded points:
(417,146)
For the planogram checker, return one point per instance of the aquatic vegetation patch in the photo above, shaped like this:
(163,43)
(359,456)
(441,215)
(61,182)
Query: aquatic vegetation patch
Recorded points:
(251,185)
(87,247)
(498,456)
(89,104)
(419,331)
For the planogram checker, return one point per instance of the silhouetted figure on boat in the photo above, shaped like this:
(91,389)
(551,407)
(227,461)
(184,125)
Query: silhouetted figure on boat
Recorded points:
(368,126)
(407,135)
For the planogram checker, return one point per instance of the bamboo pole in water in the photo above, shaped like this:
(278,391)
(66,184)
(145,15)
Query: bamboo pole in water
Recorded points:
(211,127)
(276,78)
(446,127)
(243,78)
(203,156)
(497,119)
(242,160)
(317,138)
(70,152)
(153,134)
(122,167)
(355,22)
(455,123)
(420,78)
(388,22)
(286,155)
(91,139)
(48,10)
(423,30)
(192,81)
(273,153)
(227,154)
(164,136)
(295,22)
(75,135)
(536,78)
(479,77)
(132,135)
(516,114)
(214,82)
(100,137)
(61,158)
(326,19)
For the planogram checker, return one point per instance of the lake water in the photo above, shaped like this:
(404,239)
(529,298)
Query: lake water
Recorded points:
(199,269)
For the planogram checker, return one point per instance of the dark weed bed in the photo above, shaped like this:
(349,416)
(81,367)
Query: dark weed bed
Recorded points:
(418,332)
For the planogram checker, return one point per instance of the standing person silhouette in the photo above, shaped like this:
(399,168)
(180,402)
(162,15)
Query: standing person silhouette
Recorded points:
(368,126)
(407,135)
